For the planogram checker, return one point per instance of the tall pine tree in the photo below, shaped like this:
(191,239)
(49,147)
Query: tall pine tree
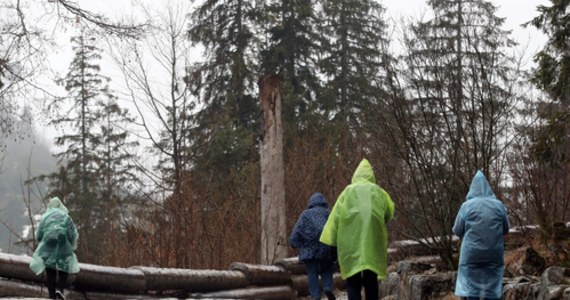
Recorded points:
(225,82)
(227,128)
(290,50)
(95,150)
(456,114)
(117,176)
(541,174)
(352,52)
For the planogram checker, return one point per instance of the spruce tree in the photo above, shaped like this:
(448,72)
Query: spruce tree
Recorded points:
(456,114)
(225,81)
(541,174)
(291,51)
(227,125)
(116,174)
(95,156)
(553,71)
(352,54)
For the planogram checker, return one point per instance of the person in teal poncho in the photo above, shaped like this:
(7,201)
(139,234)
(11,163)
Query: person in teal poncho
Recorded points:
(481,224)
(57,237)
(357,227)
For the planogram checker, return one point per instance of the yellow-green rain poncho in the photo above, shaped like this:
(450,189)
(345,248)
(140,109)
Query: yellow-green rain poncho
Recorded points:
(357,225)
(57,238)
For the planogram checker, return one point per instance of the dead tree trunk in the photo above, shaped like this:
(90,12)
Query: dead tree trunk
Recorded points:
(273,228)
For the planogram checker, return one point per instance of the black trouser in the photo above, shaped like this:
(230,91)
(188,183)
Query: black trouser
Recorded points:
(51,279)
(366,278)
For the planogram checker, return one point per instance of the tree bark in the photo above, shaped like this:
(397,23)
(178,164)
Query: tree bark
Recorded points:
(273,227)
(263,274)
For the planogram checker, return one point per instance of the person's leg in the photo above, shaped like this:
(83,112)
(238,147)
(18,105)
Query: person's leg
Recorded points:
(327,278)
(312,267)
(354,286)
(50,278)
(62,283)
(370,282)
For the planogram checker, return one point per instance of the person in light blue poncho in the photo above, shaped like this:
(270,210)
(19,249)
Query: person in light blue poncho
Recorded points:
(481,224)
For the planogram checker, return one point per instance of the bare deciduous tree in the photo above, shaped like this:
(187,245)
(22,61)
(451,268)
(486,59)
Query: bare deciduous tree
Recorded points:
(452,115)
(27,34)
(155,69)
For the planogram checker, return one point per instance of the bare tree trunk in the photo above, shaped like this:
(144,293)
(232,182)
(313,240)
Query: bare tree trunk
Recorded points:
(273,226)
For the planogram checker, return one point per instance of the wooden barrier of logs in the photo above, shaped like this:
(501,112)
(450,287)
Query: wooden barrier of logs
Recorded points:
(284,280)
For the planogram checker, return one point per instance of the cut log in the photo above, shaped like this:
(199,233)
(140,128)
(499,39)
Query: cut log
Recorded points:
(274,292)
(262,274)
(17,267)
(12,288)
(300,284)
(109,279)
(111,296)
(293,265)
(159,279)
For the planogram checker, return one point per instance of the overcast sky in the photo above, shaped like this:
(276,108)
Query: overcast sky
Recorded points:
(516,12)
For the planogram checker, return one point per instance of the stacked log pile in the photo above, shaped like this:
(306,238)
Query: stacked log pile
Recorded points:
(284,280)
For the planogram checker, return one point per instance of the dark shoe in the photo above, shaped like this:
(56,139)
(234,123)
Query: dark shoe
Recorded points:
(59,295)
(330,295)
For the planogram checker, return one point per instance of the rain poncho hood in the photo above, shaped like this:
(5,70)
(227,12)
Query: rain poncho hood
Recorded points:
(481,223)
(57,238)
(307,230)
(357,225)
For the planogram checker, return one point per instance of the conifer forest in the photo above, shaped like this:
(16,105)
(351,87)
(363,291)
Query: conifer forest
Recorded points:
(146,119)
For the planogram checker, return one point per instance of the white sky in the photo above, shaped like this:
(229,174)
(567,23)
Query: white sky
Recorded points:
(516,12)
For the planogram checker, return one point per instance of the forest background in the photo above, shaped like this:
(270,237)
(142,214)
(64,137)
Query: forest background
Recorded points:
(160,165)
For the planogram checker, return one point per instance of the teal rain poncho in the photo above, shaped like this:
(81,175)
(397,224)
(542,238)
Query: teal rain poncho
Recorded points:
(481,224)
(57,238)
(357,225)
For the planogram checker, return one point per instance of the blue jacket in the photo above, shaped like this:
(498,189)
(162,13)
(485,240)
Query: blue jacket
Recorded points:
(307,231)
(481,224)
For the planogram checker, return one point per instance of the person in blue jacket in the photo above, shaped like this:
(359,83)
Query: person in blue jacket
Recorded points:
(317,257)
(481,224)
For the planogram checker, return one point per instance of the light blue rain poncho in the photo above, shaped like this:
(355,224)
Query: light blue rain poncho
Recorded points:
(58,239)
(481,224)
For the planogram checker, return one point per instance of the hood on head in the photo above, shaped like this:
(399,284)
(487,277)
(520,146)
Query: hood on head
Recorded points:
(480,187)
(317,199)
(364,172)
(55,203)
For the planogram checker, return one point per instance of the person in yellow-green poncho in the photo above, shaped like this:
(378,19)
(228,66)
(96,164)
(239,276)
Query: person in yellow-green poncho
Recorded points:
(357,227)
(57,236)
